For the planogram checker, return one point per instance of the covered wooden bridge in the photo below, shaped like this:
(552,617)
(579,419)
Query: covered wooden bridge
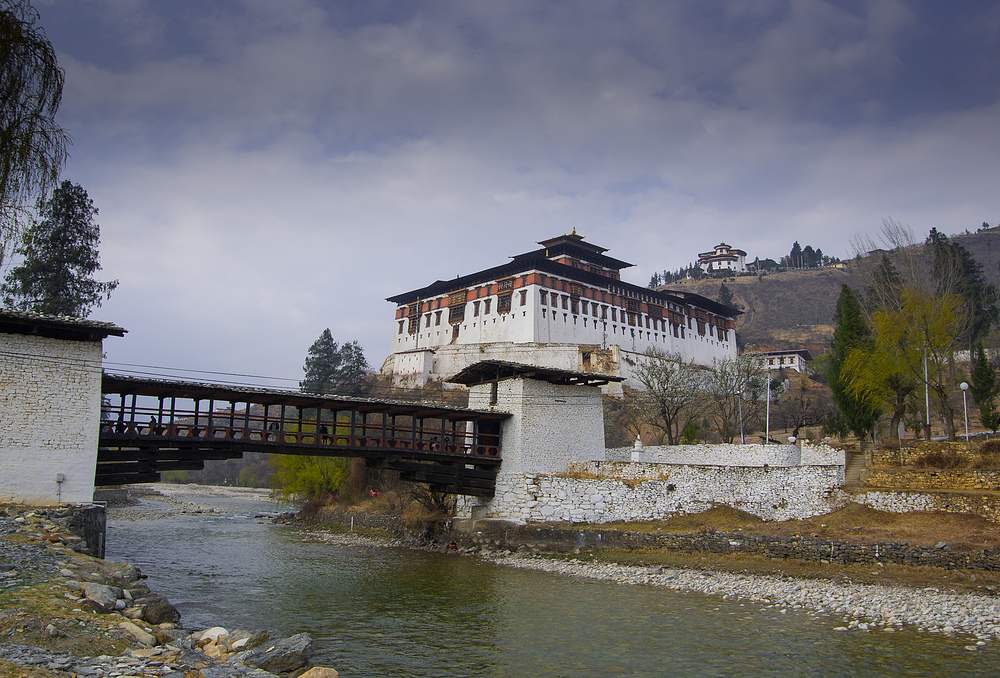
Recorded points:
(149,426)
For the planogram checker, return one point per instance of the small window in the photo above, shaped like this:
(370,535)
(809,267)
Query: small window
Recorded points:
(475,309)
(565,302)
(524,297)
(437,318)
(575,306)
(543,294)
(486,306)
(401,323)
(583,305)
(427,320)
(614,315)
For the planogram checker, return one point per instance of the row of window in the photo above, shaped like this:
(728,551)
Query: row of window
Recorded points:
(456,313)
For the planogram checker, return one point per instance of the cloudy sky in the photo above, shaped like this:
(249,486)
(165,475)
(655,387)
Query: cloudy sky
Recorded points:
(265,169)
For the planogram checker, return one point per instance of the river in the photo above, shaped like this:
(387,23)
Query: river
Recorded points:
(394,612)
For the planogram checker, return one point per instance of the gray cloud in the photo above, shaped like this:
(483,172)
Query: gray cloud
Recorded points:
(265,170)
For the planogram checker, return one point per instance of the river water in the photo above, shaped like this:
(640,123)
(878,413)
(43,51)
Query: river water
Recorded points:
(394,612)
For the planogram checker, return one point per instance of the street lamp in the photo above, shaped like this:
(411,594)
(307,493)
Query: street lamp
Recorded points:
(965,405)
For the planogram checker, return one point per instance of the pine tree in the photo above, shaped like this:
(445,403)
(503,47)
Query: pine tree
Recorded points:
(852,332)
(726,297)
(984,388)
(60,258)
(331,368)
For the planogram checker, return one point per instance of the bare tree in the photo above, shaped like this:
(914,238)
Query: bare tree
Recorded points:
(671,387)
(733,389)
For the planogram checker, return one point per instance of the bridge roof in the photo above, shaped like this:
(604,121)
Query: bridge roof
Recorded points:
(56,326)
(486,371)
(114,383)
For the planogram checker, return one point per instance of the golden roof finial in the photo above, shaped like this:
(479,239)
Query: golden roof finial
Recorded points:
(574,231)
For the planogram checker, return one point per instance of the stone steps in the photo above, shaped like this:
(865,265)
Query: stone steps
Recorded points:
(854,471)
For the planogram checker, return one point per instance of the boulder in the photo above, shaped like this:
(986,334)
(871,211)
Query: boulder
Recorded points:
(92,606)
(138,634)
(320,672)
(281,656)
(213,634)
(247,640)
(106,596)
(161,611)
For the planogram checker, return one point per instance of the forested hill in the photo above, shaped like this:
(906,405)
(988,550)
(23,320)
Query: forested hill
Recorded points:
(794,309)
(791,309)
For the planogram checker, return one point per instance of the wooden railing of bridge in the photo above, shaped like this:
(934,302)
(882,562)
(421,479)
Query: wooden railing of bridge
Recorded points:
(150,426)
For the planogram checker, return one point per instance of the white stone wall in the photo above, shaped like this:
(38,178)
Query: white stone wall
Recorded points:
(640,492)
(710,455)
(723,454)
(50,405)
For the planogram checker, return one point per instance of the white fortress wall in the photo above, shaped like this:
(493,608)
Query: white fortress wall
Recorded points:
(537,333)
(772,493)
(50,408)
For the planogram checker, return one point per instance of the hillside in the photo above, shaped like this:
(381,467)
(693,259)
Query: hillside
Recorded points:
(794,309)
(791,309)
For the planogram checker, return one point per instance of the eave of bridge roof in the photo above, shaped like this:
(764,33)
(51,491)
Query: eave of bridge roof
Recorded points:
(159,388)
(486,371)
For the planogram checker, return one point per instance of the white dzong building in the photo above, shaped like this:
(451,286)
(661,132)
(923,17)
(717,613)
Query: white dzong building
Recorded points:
(562,306)
(723,258)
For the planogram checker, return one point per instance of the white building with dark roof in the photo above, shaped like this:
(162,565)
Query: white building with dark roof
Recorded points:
(50,406)
(563,306)
(723,257)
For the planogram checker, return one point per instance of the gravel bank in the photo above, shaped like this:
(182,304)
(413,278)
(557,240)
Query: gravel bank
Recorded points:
(862,607)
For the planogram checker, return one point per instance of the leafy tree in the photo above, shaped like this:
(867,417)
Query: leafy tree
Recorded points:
(851,332)
(984,388)
(879,378)
(333,368)
(308,478)
(671,387)
(32,146)
(955,271)
(60,258)
(922,334)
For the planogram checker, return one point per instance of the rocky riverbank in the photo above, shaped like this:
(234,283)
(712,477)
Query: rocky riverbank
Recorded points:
(63,612)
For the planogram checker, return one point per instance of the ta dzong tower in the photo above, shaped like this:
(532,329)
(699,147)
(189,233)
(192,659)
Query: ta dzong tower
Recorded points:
(563,306)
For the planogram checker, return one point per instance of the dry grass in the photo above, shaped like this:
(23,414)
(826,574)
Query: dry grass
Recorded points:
(854,523)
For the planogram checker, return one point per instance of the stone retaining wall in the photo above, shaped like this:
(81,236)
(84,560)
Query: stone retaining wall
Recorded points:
(934,479)
(494,534)
(982,505)
(912,449)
